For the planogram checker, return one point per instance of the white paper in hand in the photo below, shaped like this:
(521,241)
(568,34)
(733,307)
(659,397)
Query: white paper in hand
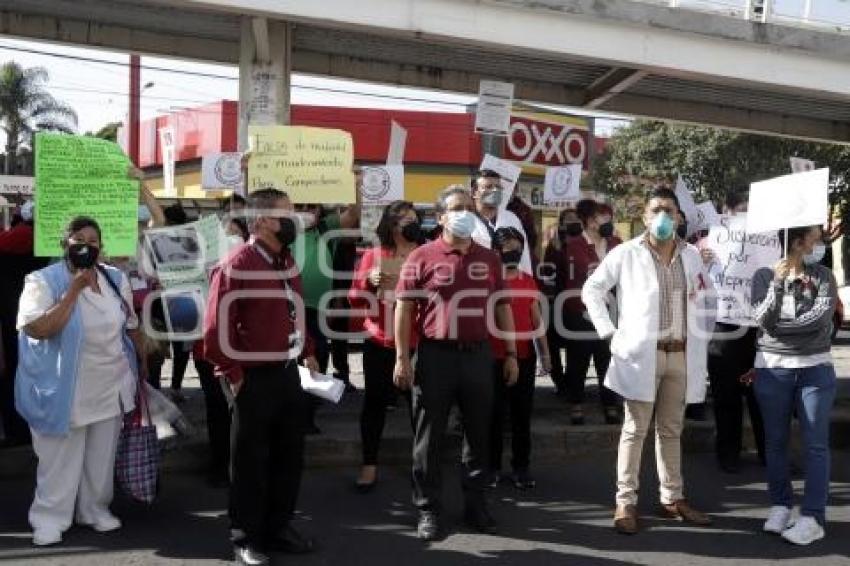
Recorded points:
(323,386)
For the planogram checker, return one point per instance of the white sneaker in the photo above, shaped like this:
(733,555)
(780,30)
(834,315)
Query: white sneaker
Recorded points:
(250,556)
(778,520)
(104,524)
(805,531)
(46,537)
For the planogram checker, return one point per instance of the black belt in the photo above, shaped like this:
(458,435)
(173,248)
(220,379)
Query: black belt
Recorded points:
(457,345)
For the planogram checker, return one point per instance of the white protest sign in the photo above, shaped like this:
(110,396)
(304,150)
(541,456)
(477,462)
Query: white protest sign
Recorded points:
(562,184)
(800,165)
(687,206)
(706,216)
(493,115)
(222,171)
(166,147)
(799,199)
(382,184)
(16,185)
(398,141)
(739,255)
(508,171)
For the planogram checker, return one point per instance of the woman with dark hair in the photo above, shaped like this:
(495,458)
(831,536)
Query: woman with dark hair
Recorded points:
(793,305)
(373,291)
(77,373)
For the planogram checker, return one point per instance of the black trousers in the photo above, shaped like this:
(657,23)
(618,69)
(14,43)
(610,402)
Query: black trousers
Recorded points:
(445,376)
(556,343)
(218,417)
(378,365)
(579,355)
(518,401)
(727,361)
(267,450)
(179,358)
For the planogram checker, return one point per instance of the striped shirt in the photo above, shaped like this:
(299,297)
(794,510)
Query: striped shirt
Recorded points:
(673,288)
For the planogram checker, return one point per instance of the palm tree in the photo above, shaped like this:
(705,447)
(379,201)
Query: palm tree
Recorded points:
(26,107)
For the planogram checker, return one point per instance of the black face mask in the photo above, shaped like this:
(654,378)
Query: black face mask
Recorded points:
(682,230)
(287,231)
(511,257)
(411,232)
(570,229)
(82,256)
(606,230)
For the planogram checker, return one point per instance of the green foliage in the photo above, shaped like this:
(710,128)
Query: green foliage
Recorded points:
(27,107)
(108,132)
(713,162)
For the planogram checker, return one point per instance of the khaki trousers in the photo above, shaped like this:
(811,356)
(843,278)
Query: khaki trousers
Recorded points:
(669,409)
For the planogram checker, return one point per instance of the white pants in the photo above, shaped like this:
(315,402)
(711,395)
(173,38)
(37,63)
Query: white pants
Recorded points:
(74,469)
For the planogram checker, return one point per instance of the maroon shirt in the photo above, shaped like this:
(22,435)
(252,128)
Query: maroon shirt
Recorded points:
(444,284)
(574,264)
(257,326)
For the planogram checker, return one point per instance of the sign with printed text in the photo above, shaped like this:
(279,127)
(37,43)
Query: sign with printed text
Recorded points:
(167,147)
(84,176)
(16,185)
(222,171)
(738,255)
(562,185)
(266,86)
(313,165)
(493,114)
(382,184)
(799,199)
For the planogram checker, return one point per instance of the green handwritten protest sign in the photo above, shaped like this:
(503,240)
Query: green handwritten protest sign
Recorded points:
(83,176)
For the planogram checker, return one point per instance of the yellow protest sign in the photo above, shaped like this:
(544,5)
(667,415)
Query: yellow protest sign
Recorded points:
(313,165)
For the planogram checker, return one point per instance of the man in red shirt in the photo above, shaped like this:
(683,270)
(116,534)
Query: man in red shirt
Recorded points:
(581,256)
(446,288)
(252,333)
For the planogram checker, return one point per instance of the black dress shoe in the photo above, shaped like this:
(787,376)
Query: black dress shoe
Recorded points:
(428,528)
(479,518)
(290,541)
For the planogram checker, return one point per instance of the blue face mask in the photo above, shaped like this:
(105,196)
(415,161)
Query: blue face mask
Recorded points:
(662,227)
(460,223)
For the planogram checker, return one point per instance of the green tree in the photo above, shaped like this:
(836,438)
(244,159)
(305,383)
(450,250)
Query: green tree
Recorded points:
(27,107)
(107,132)
(713,162)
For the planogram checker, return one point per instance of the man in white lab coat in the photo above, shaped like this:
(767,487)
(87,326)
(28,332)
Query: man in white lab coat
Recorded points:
(490,203)
(658,348)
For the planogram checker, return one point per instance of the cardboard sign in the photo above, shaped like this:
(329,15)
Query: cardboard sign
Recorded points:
(382,184)
(562,185)
(222,171)
(84,176)
(313,165)
(739,254)
(799,199)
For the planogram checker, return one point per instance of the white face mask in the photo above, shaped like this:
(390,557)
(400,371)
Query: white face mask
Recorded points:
(460,223)
(816,256)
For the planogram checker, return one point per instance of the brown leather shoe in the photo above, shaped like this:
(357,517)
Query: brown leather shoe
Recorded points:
(684,512)
(626,520)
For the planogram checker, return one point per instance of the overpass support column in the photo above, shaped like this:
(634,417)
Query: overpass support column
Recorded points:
(265,71)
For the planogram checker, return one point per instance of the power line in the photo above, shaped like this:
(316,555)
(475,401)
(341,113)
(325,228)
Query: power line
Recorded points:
(224,77)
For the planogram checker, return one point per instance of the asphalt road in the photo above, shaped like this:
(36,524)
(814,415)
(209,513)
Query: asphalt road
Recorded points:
(566,520)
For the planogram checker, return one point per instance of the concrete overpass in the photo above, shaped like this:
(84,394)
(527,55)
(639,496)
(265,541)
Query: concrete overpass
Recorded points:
(622,56)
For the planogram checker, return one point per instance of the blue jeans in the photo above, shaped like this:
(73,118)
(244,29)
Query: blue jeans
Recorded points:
(813,391)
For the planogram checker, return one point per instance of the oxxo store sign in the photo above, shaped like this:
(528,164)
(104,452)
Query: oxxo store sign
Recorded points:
(548,140)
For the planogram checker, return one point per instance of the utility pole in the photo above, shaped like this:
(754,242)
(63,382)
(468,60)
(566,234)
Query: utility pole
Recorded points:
(134,114)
